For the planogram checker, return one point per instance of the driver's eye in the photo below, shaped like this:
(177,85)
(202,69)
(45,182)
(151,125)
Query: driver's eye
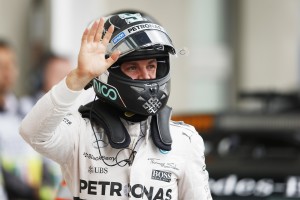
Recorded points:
(131,68)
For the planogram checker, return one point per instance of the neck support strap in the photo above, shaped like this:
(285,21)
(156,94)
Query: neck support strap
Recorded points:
(108,118)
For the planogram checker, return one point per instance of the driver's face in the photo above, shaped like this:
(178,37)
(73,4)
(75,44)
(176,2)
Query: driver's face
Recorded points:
(140,69)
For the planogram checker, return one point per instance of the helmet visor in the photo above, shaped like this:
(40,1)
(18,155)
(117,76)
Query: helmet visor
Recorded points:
(141,36)
(162,70)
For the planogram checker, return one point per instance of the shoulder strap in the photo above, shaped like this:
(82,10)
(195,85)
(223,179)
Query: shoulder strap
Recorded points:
(160,129)
(106,116)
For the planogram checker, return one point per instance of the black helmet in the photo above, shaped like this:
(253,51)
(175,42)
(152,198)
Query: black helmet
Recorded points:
(137,38)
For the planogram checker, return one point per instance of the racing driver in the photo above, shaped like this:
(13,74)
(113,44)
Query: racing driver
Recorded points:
(122,145)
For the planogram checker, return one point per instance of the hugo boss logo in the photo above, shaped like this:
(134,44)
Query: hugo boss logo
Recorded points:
(161,175)
(105,90)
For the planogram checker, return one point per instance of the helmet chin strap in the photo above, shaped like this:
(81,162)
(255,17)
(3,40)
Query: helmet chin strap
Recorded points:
(108,117)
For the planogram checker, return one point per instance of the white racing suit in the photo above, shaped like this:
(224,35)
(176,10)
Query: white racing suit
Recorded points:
(94,170)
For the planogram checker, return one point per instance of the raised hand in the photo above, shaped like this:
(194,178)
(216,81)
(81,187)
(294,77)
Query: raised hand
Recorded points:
(91,58)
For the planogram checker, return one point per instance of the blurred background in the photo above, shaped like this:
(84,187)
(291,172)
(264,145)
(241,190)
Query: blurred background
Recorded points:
(236,77)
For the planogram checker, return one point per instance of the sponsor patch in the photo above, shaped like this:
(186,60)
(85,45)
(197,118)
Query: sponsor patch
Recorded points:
(118,37)
(161,175)
(103,189)
(98,170)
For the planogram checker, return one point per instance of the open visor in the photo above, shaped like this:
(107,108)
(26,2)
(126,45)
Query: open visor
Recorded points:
(141,36)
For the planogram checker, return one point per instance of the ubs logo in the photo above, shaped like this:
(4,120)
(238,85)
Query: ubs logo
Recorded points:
(97,170)
(161,175)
